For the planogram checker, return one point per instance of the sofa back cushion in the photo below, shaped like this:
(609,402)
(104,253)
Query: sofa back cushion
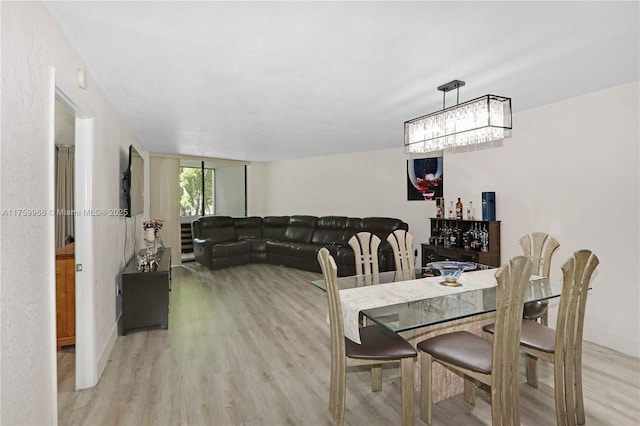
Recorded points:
(217,229)
(300,229)
(352,228)
(382,226)
(329,230)
(248,227)
(274,227)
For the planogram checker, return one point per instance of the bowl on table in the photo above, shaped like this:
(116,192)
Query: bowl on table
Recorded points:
(451,270)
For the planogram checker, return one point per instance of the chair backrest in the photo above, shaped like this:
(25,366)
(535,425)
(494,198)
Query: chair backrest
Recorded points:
(336,324)
(402,244)
(513,280)
(365,248)
(540,248)
(576,276)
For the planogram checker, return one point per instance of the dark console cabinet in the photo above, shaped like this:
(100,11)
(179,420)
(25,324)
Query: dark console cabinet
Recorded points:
(145,295)
(435,252)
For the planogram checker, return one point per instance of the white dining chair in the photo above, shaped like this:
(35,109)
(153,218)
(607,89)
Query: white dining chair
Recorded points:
(378,346)
(401,242)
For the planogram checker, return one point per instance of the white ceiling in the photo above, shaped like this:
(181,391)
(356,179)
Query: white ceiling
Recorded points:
(266,81)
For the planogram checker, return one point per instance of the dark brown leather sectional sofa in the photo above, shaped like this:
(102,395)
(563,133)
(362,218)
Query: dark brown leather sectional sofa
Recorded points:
(293,241)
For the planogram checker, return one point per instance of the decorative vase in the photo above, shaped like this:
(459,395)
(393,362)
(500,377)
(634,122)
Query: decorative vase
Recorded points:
(158,241)
(149,234)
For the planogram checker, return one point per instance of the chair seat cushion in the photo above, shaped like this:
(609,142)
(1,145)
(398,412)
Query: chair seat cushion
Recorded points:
(460,348)
(533,310)
(533,335)
(379,344)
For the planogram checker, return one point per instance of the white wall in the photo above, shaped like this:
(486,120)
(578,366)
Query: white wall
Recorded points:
(570,169)
(31,45)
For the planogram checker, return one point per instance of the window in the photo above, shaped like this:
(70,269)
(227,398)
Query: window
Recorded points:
(212,187)
(197,186)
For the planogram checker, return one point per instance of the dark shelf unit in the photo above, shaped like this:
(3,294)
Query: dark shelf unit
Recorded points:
(186,242)
(145,295)
(432,253)
(186,239)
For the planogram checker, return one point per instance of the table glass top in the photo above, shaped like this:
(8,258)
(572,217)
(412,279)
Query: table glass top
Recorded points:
(436,310)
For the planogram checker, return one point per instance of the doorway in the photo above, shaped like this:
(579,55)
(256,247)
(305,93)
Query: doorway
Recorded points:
(83,119)
(64,130)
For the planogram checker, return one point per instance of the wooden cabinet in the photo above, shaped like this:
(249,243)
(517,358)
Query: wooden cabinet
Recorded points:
(145,295)
(65,296)
(436,250)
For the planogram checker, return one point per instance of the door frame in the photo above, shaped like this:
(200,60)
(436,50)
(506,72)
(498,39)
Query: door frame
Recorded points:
(85,351)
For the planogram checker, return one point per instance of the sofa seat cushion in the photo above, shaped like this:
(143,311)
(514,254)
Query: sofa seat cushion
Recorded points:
(235,248)
(258,245)
(308,250)
(285,248)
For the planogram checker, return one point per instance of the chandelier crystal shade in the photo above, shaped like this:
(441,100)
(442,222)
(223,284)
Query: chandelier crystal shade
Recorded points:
(481,120)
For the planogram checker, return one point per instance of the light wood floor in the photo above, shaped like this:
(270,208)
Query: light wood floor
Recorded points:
(250,346)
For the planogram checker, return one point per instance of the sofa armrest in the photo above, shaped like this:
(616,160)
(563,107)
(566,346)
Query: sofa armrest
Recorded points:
(200,251)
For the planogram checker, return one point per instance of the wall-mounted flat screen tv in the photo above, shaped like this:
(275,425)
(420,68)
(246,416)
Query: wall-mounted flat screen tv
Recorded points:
(133,183)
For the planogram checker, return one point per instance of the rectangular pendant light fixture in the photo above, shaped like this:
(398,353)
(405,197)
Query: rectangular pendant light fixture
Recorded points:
(481,120)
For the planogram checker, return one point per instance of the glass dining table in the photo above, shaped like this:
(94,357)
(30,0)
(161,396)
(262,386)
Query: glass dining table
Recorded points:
(424,312)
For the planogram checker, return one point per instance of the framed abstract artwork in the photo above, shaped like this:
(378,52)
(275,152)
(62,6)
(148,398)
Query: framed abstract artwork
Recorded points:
(424,178)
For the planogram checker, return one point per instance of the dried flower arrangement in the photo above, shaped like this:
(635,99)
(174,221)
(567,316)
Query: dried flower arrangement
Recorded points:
(156,224)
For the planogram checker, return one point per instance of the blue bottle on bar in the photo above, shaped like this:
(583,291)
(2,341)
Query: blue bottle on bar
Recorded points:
(488,206)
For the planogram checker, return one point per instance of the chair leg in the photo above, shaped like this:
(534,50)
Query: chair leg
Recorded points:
(406,389)
(341,393)
(579,397)
(496,406)
(559,390)
(469,391)
(570,390)
(376,378)
(531,364)
(544,319)
(426,364)
(333,390)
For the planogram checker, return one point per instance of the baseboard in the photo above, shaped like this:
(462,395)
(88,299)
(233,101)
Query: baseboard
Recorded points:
(625,343)
(106,353)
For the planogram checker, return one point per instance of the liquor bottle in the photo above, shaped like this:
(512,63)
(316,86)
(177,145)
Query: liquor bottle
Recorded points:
(440,208)
(471,211)
(453,237)
(484,238)
(459,209)
(435,234)
(440,237)
(445,235)
(451,210)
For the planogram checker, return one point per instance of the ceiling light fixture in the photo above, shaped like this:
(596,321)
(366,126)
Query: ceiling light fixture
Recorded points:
(481,120)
